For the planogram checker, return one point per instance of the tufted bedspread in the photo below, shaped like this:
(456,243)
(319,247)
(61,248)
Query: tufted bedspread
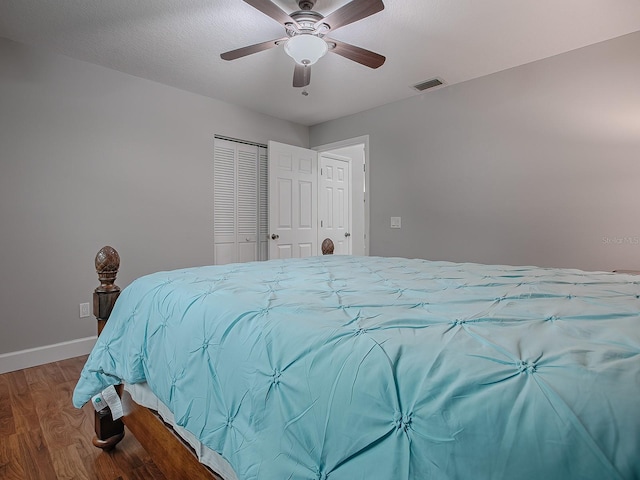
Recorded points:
(349,368)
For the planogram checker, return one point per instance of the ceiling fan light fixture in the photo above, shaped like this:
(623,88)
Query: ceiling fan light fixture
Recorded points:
(306,49)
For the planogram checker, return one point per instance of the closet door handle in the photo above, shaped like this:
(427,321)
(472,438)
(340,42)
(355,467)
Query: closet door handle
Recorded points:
(274,236)
(347,234)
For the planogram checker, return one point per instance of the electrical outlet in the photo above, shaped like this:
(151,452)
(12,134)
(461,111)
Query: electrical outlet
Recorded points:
(84,310)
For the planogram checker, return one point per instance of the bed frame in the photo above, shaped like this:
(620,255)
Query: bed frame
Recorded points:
(169,452)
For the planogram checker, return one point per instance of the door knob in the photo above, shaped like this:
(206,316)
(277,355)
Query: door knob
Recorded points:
(274,236)
(347,234)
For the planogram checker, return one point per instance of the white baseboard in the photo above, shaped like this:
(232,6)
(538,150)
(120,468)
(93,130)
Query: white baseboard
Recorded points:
(49,353)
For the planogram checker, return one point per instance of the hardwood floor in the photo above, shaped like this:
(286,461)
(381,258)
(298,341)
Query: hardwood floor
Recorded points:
(42,436)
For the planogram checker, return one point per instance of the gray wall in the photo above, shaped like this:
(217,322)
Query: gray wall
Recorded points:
(539,164)
(88,157)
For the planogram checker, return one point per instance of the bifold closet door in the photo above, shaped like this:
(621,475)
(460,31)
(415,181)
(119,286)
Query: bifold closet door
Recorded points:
(236,193)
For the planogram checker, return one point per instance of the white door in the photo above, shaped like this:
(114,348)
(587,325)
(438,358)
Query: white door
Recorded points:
(293,207)
(335,202)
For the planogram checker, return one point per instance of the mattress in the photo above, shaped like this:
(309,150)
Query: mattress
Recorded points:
(369,367)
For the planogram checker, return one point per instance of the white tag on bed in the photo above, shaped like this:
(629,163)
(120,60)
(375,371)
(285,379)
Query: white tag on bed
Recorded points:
(108,398)
(98,402)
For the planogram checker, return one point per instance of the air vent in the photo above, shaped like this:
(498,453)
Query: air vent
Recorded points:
(434,82)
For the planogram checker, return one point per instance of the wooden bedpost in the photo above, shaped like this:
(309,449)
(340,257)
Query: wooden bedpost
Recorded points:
(108,431)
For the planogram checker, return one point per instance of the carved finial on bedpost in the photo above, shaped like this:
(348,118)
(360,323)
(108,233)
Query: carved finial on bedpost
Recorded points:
(107,265)
(327,246)
(105,296)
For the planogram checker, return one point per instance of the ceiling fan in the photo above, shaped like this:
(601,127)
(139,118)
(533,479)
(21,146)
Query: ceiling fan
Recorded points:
(306,40)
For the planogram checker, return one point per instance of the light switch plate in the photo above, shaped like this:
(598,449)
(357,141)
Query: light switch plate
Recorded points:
(396,222)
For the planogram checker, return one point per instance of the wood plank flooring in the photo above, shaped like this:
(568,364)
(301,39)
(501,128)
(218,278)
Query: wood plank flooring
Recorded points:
(42,435)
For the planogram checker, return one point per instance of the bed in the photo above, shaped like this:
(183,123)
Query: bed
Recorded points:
(340,367)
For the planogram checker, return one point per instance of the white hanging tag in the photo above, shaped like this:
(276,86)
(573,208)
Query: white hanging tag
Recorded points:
(98,402)
(108,398)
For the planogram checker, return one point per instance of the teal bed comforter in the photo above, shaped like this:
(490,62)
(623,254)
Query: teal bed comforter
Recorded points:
(348,368)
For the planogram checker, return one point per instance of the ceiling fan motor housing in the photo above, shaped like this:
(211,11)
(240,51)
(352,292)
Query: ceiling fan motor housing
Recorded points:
(306,4)
(306,23)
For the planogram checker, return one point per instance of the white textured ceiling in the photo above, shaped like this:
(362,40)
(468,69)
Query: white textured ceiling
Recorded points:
(178,43)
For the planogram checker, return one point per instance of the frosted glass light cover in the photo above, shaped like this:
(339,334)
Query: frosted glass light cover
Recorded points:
(306,49)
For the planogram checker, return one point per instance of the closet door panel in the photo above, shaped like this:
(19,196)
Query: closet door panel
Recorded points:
(263,204)
(237,211)
(247,203)
(224,209)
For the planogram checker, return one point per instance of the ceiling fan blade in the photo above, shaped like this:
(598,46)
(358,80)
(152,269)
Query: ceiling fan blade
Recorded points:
(351,12)
(244,51)
(301,75)
(364,57)
(271,10)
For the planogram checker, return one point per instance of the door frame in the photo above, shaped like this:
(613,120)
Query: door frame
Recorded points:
(352,142)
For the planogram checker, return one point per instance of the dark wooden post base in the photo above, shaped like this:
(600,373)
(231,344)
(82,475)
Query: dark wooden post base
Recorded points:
(108,431)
